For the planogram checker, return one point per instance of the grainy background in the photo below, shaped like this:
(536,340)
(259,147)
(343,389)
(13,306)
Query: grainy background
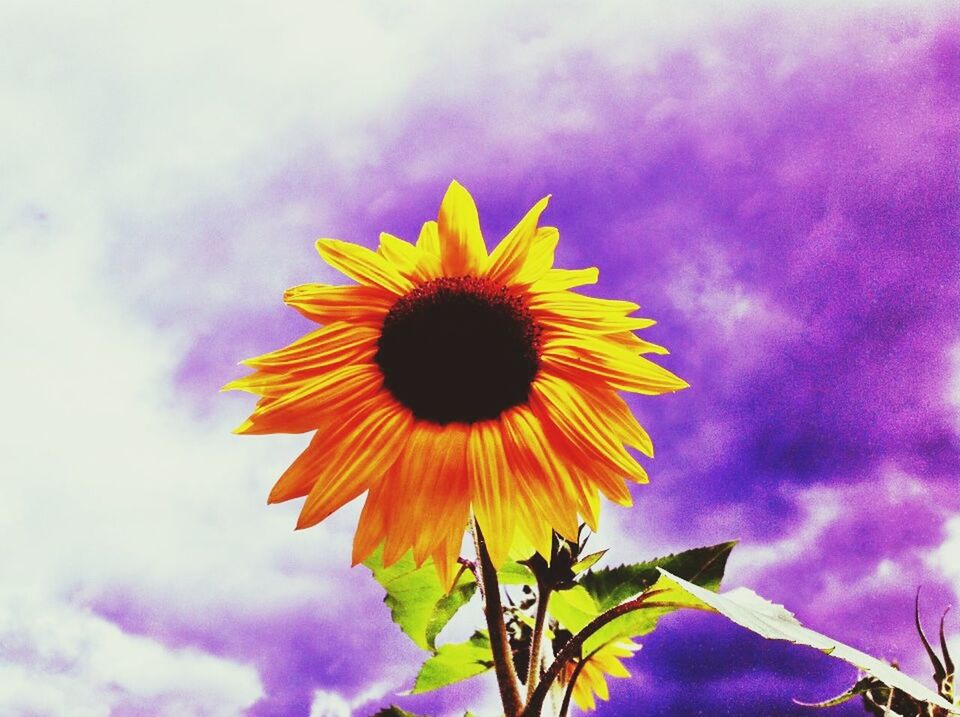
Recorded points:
(776,184)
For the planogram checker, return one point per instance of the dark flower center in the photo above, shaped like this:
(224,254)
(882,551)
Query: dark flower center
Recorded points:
(459,349)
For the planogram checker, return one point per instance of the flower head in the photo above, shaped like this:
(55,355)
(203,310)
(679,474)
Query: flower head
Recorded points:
(591,678)
(449,381)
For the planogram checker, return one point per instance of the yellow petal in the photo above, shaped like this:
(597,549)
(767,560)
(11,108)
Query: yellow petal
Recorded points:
(409,482)
(563,279)
(307,408)
(618,369)
(509,256)
(530,518)
(430,478)
(589,503)
(540,258)
(363,266)
(300,477)
(447,496)
(418,266)
(494,502)
(600,325)
(312,350)
(445,559)
(545,478)
(610,665)
(370,527)
(429,239)
(462,251)
(367,452)
(329,349)
(583,691)
(569,304)
(634,344)
(560,405)
(598,682)
(327,304)
(621,419)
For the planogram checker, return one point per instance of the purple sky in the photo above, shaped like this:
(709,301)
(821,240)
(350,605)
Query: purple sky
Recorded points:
(778,187)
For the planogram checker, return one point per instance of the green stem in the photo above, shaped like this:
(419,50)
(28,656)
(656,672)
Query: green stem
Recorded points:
(533,668)
(499,643)
(574,647)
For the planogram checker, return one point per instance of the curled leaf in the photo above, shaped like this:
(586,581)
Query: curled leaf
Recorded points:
(774,622)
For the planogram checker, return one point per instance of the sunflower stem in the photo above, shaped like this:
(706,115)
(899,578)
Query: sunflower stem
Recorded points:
(533,665)
(574,646)
(499,643)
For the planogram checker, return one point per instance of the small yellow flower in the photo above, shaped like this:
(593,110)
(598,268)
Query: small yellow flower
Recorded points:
(591,679)
(449,381)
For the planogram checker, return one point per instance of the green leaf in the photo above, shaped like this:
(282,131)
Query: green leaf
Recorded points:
(455,662)
(587,561)
(418,602)
(394,711)
(513,573)
(861,687)
(702,566)
(774,622)
(610,587)
(573,608)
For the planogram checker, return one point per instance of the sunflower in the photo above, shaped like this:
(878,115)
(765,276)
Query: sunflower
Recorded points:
(591,677)
(448,382)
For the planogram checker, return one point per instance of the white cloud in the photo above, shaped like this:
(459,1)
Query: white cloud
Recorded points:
(822,508)
(58,660)
(946,559)
(109,488)
(705,289)
(329,704)
(953,383)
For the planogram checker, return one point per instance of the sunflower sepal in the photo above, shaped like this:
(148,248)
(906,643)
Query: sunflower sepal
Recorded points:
(588,561)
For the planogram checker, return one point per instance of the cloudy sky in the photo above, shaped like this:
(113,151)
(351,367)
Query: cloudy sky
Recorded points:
(776,184)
